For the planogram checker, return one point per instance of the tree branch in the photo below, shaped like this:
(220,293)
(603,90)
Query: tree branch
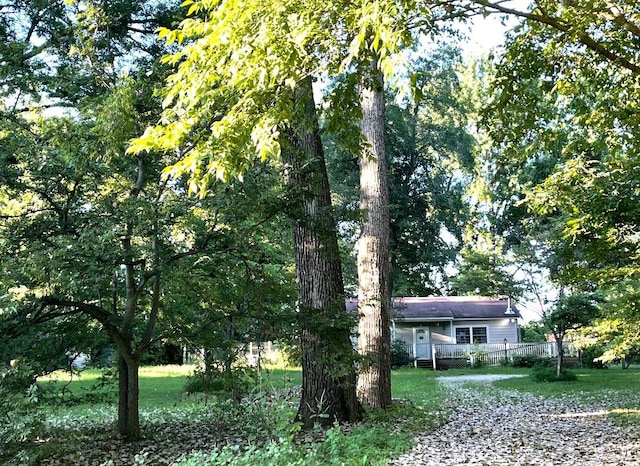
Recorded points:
(75,307)
(560,25)
(617,17)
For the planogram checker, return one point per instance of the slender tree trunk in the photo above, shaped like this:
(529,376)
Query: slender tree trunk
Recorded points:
(374,343)
(128,398)
(560,360)
(328,370)
(123,389)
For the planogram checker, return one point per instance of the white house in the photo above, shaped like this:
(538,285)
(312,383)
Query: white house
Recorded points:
(424,324)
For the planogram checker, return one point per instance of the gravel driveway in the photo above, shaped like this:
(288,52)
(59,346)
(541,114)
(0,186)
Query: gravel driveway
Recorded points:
(499,427)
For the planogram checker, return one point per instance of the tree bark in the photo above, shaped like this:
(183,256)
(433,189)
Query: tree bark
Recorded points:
(560,360)
(328,370)
(374,343)
(128,398)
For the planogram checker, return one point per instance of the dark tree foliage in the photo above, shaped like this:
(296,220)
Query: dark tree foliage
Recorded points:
(570,313)
(430,154)
(96,244)
(55,53)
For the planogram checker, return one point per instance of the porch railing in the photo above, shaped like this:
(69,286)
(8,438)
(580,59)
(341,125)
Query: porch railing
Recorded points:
(494,353)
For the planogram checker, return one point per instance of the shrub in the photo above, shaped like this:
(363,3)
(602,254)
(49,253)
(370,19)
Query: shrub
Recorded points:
(542,373)
(589,354)
(360,445)
(282,453)
(478,358)
(526,360)
(399,354)
(235,383)
(19,399)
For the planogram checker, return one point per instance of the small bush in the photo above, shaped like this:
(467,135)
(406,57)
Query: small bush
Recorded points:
(531,360)
(541,373)
(589,354)
(360,445)
(235,383)
(19,403)
(400,355)
(278,453)
(478,358)
(525,360)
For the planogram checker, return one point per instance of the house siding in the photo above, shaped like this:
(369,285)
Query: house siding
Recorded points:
(442,330)
(438,333)
(440,339)
(405,334)
(497,330)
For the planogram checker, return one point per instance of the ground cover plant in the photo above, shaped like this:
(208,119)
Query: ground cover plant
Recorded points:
(205,428)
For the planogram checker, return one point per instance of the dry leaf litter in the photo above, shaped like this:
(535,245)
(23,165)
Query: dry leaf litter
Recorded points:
(496,427)
(490,426)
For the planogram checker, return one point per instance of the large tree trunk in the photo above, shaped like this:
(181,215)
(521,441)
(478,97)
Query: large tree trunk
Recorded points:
(374,343)
(128,398)
(328,370)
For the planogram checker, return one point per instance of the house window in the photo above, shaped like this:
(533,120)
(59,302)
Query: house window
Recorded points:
(463,336)
(466,335)
(479,334)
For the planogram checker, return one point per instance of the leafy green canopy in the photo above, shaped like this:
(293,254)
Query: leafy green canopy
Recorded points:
(571,312)
(568,117)
(618,329)
(430,154)
(609,30)
(231,94)
(56,53)
(79,219)
(565,117)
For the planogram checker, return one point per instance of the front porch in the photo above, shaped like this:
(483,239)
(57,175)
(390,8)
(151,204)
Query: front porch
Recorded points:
(449,356)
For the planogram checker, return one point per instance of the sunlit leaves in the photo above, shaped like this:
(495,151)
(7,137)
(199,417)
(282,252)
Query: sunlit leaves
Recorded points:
(383,28)
(619,330)
(230,96)
(565,116)
(230,93)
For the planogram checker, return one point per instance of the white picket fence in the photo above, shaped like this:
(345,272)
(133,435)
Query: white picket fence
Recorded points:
(494,353)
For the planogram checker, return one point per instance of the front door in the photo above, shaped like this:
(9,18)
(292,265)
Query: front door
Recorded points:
(423,345)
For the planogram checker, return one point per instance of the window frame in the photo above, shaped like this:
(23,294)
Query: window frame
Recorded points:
(471,336)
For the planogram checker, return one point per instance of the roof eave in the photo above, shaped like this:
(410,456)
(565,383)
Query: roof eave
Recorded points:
(450,319)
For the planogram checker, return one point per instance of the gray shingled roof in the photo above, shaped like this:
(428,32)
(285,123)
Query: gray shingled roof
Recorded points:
(448,307)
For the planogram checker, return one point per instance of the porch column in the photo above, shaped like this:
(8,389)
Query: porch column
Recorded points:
(415,348)
(433,356)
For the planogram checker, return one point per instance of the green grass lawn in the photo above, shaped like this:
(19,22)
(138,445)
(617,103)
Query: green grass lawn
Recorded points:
(614,385)
(163,386)
(594,383)
(159,385)
(419,406)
